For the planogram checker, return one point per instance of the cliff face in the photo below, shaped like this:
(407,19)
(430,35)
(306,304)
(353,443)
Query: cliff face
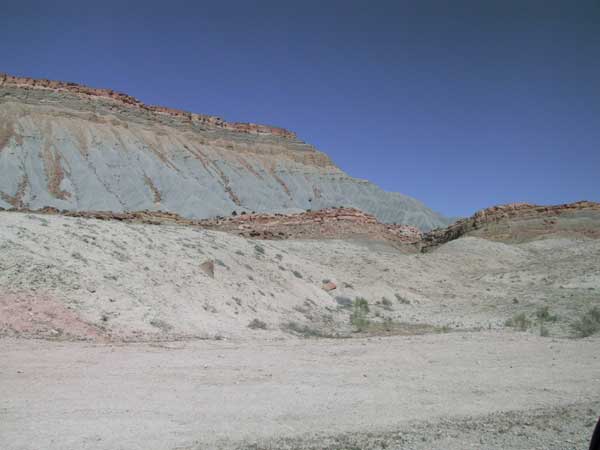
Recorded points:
(76,148)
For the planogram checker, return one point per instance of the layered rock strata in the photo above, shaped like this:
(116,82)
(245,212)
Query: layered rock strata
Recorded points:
(517,222)
(75,148)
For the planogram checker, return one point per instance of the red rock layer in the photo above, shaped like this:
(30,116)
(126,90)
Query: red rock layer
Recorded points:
(512,211)
(330,223)
(132,102)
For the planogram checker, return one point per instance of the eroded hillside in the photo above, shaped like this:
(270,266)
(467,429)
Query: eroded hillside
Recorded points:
(68,277)
(71,147)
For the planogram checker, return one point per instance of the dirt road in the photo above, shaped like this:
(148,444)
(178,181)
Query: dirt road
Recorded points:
(454,391)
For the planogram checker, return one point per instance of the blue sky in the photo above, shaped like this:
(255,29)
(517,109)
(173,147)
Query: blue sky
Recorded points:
(461,104)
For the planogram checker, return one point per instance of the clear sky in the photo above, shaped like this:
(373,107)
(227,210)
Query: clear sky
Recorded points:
(461,104)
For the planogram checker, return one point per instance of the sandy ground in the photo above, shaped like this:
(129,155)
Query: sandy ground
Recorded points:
(450,391)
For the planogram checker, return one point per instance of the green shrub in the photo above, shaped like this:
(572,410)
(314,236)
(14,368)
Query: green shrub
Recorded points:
(358,317)
(302,330)
(587,324)
(259,249)
(519,321)
(386,301)
(543,314)
(297,274)
(388,324)
(344,302)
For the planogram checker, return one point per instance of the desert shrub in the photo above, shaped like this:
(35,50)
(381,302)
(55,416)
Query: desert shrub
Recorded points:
(326,280)
(543,314)
(519,321)
(543,330)
(388,324)
(164,326)
(358,317)
(257,324)
(587,324)
(297,274)
(239,252)
(302,329)
(386,301)
(218,262)
(259,249)
(344,302)
(401,299)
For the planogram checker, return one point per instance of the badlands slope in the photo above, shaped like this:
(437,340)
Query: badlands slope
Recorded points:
(102,280)
(136,345)
(75,148)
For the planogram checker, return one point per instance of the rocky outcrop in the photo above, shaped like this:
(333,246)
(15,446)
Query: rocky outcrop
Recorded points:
(331,223)
(125,100)
(520,222)
(76,148)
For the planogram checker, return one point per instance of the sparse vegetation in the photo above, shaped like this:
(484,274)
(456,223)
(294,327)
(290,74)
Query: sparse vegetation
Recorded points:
(161,324)
(543,314)
(519,321)
(218,262)
(259,249)
(297,274)
(386,302)
(388,324)
(358,317)
(587,324)
(302,330)
(257,324)
(401,299)
(344,302)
